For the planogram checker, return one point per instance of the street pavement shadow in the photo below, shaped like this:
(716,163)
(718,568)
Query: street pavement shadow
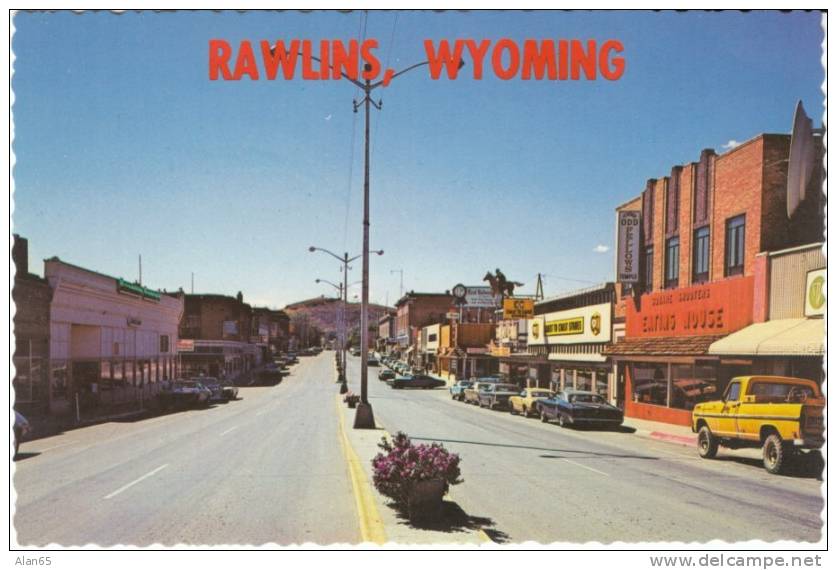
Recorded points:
(23,455)
(806,467)
(572,452)
(454,519)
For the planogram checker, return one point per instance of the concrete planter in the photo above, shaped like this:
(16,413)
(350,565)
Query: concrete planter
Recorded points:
(424,503)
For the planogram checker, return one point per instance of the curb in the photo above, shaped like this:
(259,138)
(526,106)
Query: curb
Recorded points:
(371,525)
(671,438)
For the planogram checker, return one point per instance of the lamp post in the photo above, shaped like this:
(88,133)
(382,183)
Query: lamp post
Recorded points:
(340,323)
(364,418)
(345,260)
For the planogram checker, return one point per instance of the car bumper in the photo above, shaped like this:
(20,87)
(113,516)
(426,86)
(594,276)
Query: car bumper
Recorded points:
(596,421)
(809,442)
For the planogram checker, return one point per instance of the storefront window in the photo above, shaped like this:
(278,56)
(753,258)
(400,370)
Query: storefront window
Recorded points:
(600,383)
(130,375)
(692,384)
(29,380)
(118,373)
(649,384)
(59,379)
(584,380)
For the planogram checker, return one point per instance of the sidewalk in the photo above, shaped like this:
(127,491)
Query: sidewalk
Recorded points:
(380,522)
(669,433)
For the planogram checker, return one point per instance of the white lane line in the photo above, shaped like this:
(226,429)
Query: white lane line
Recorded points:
(588,468)
(229,430)
(135,481)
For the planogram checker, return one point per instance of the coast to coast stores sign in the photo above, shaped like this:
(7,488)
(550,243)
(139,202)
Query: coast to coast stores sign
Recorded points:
(713,309)
(582,325)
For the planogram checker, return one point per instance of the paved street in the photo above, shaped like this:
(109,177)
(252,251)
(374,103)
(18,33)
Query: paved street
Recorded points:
(265,469)
(269,469)
(540,482)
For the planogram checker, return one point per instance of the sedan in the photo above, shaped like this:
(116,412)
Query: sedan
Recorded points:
(525,403)
(417,381)
(496,396)
(577,407)
(457,391)
(471,394)
(386,375)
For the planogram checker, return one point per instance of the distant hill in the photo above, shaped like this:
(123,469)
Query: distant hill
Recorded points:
(322,312)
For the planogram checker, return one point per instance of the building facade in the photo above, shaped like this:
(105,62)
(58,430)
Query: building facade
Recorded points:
(703,227)
(570,332)
(215,336)
(111,341)
(414,311)
(32,296)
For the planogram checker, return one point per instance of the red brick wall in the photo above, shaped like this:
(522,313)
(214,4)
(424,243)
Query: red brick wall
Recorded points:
(738,190)
(686,226)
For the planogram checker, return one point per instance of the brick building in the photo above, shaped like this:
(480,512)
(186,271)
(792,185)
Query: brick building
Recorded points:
(703,226)
(215,335)
(414,311)
(269,328)
(31,295)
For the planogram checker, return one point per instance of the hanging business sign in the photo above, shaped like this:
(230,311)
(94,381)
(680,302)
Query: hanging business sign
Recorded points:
(627,254)
(230,327)
(518,308)
(582,325)
(815,293)
(481,297)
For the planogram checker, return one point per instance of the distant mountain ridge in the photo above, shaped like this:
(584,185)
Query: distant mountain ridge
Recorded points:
(322,312)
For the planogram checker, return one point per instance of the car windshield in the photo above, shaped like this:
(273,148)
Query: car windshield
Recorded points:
(540,393)
(466,384)
(506,388)
(189,384)
(586,399)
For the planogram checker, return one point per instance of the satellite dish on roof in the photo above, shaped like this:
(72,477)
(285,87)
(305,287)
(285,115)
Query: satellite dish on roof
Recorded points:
(801,157)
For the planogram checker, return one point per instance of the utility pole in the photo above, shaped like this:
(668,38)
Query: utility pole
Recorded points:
(401,283)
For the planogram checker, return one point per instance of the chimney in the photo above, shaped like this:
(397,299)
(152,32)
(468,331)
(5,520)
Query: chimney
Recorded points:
(20,255)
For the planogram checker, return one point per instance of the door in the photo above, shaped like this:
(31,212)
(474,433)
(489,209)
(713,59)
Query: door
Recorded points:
(728,420)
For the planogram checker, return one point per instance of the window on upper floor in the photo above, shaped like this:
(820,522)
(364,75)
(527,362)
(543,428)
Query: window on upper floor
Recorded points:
(648,282)
(734,251)
(700,256)
(672,262)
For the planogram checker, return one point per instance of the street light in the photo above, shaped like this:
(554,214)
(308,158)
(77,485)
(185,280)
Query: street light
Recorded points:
(345,260)
(364,419)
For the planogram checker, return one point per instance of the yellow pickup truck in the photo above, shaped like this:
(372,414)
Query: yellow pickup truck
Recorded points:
(779,414)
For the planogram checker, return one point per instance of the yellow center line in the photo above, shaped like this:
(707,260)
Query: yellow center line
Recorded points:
(371,525)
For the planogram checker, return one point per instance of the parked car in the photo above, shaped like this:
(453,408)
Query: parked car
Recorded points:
(525,403)
(185,393)
(372,362)
(457,391)
(386,375)
(496,396)
(214,387)
(471,393)
(22,428)
(417,381)
(578,407)
(781,415)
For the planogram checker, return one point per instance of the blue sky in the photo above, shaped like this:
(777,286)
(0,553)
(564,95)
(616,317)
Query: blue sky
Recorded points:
(125,147)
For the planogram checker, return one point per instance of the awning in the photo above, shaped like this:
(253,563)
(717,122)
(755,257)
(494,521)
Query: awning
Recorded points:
(662,346)
(782,337)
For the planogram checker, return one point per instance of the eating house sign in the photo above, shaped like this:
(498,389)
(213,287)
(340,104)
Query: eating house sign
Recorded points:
(712,309)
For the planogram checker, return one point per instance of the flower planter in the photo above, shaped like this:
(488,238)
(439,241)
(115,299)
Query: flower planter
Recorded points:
(424,503)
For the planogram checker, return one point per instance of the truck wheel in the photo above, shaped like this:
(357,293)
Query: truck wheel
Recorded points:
(775,454)
(707,443)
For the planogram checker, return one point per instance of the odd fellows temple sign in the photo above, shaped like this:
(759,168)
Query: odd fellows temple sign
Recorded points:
(716,308)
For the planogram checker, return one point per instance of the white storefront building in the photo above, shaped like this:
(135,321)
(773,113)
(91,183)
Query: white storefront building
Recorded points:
(111,341)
